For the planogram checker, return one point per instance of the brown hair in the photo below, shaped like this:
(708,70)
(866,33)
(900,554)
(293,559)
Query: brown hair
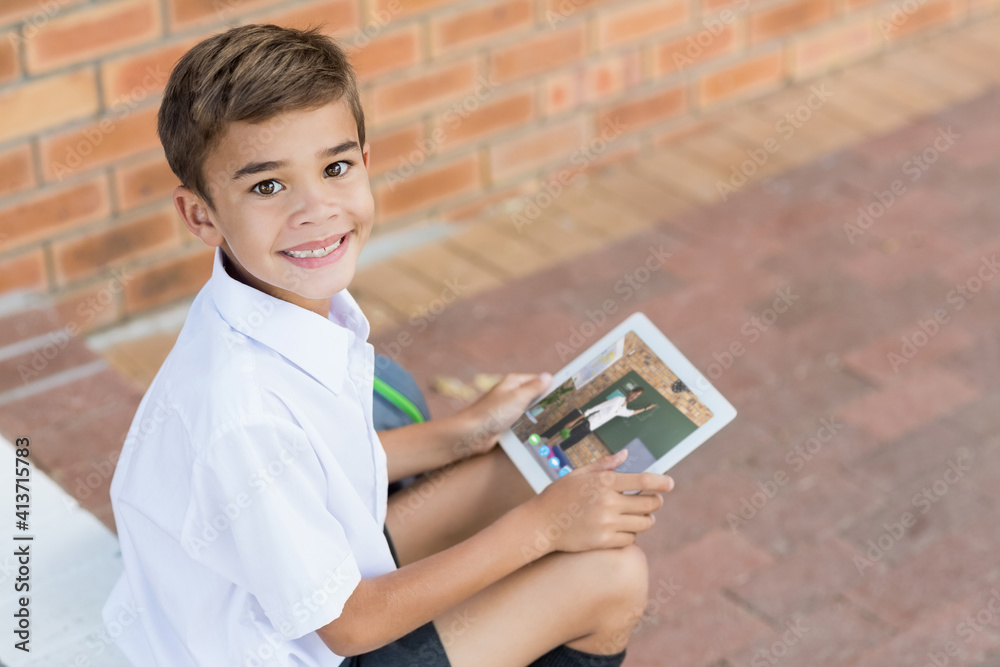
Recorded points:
(248,73)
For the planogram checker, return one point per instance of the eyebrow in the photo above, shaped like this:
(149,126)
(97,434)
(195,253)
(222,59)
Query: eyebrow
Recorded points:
(257,167)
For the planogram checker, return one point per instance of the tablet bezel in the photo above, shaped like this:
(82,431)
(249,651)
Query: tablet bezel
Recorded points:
(723,411)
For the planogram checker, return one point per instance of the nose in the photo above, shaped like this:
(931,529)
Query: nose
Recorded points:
(314,203)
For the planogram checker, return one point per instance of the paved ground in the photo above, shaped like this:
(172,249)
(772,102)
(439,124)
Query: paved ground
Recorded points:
(847,517)
(899,452)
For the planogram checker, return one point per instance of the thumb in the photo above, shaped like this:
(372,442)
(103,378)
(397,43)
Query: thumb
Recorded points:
(534,385)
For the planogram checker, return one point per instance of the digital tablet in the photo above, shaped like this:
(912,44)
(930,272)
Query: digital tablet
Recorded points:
(633,390)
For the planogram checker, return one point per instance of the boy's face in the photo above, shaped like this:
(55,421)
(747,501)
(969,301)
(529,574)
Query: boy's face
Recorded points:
(293,205)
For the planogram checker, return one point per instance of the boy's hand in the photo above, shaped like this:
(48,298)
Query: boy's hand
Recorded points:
(586,509)
(496,410)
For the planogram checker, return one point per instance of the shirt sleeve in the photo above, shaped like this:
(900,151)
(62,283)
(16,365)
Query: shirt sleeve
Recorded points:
(258,515)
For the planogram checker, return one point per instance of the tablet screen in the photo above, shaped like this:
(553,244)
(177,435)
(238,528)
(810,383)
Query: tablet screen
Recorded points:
(626,397)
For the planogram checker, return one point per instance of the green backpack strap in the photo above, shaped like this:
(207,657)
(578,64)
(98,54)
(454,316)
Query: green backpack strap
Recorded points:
(391,394)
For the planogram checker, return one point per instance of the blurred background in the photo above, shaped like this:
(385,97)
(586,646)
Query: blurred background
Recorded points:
(800,194)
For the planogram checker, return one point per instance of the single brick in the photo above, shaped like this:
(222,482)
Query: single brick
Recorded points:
(92,32)
(477,120)
(46,102)
(426,187)
(637,22)
(644,111)
(747,77)
(421,92)
(89,254)
(478,25)
(55,209)
(781,20)
(136,76)
(393,150)
(694,49)
(395,50)
(142,182)
(549,144)
(539,54)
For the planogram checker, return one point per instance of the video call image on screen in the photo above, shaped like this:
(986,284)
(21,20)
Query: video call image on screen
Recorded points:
(625,398)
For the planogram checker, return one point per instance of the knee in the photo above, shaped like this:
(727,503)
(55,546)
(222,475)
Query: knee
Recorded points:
(631,573)
(626,593)
(623,574)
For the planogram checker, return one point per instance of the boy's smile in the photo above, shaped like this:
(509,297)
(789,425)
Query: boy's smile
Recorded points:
(293,205)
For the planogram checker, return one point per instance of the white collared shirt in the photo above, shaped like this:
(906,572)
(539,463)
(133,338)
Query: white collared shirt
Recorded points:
(602,413)
(250,496)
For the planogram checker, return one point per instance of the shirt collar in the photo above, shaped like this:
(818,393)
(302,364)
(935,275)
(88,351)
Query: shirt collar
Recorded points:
(317,345)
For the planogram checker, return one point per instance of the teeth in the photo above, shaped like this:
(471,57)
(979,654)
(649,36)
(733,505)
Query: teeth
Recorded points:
(319,252)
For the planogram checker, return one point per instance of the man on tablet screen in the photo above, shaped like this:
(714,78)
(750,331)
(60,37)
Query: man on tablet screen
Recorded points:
(584,423)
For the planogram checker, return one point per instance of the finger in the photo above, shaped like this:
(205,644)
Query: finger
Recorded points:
(635,523)
(621,539)
(642,481)
(642,503)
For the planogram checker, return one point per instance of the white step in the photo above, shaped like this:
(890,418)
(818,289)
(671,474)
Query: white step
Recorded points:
(74,564)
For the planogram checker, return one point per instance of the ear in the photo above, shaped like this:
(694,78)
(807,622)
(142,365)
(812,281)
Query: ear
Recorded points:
(195,214)
(366,154)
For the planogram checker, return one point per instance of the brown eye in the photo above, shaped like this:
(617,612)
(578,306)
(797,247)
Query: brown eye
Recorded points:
(268,187)
(336,169)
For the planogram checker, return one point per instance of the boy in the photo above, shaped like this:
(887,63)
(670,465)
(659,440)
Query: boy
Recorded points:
(250,497)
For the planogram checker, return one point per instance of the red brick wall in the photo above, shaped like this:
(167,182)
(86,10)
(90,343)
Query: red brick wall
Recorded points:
(469,102)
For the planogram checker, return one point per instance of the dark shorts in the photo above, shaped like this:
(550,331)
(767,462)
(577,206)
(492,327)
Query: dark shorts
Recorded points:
(423,648)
